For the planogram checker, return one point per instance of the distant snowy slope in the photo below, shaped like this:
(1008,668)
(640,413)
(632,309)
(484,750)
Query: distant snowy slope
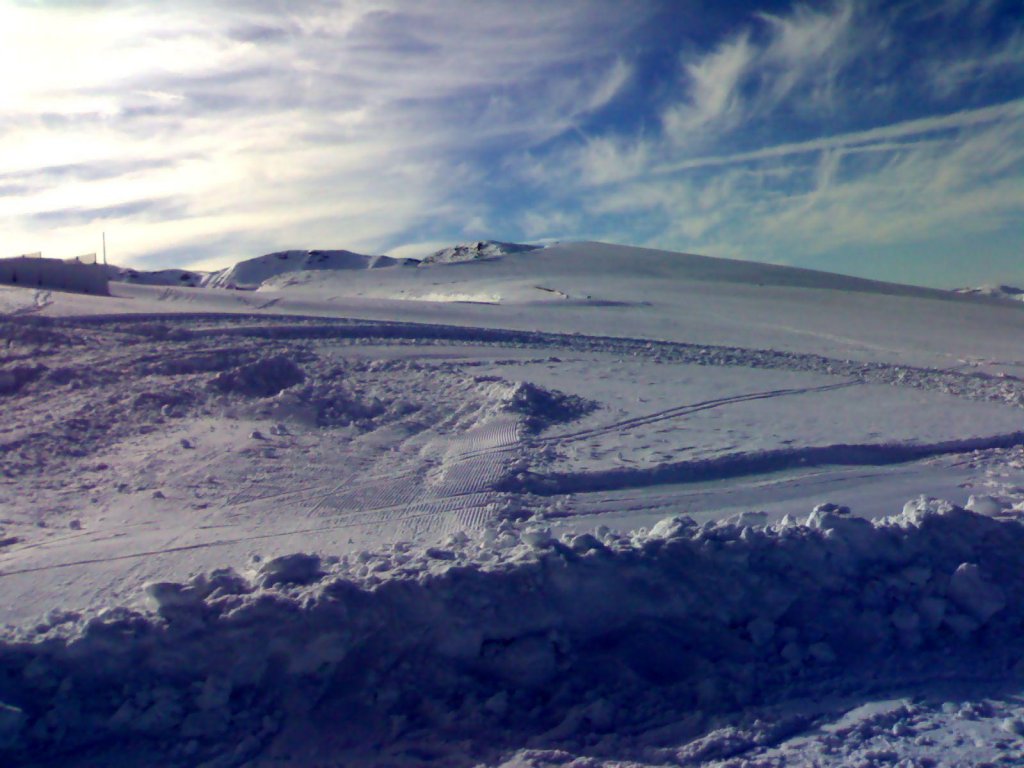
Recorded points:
(179,277)
(481,249)
(995,291)
(252,273)
(583,272)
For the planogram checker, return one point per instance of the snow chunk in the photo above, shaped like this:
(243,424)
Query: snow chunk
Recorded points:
(673,528)
(973,595)
(986,505)
(290,569)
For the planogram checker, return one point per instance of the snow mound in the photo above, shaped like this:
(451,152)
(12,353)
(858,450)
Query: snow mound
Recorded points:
(166,277)
(251,274)
(542,407)
(481,249)
(519,637)
(264,378)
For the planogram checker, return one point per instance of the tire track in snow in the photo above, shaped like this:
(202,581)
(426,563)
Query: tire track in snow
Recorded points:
(741,465)
(683,410)
(667,414)
(972,385)
(479,459)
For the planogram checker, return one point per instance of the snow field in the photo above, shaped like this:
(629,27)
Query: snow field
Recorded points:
(595,642)
(272,540)
(192,442)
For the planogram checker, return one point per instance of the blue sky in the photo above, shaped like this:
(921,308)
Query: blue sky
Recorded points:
(882,139)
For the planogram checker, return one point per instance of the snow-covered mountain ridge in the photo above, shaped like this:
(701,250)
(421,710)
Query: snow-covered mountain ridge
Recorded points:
(532,264)
(994,291)
(185,278)
(481,249)
(252,273)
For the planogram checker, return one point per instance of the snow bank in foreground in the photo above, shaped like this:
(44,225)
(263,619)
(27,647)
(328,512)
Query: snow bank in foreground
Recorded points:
(593,640)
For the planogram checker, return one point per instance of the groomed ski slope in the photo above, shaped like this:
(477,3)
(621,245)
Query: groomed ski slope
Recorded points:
(304,525)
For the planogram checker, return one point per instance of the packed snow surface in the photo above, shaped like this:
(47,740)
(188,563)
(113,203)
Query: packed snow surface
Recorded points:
(635,509)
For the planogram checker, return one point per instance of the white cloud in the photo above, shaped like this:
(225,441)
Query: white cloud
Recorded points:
(742,78)
(950,75)
(713,83)
(907,129)
(808,47)
(349,123)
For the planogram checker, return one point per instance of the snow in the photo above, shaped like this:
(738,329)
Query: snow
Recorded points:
(164,277)
(582,641)
(481,249)
(639,509)
(253,273)
(995,291)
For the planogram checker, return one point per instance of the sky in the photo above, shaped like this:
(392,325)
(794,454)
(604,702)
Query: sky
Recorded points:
(879,139)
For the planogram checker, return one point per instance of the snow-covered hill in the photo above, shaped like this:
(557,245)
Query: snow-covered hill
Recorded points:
(995,291)
(481,249)
(583,272)
(252,273)
(164,277)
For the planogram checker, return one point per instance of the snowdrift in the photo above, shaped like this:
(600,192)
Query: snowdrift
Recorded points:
(54,274)
(250,274)
(600,641)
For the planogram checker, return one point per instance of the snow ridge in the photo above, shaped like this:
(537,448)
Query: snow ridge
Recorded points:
(591,643)
(252,273)
(166,277)
(995,291)
(477,251)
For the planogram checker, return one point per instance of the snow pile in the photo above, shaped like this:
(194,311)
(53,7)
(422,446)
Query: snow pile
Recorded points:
(595,641)
(54,274)
(542,407)
(339,401)
(251,274)
(266,377)
(481,249)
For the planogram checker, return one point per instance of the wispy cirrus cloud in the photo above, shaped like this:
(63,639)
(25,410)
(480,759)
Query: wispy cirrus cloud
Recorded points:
(816,136)
(351,123)
(856,135)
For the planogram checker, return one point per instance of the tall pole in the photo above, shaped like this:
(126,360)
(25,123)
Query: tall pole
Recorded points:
(104,249)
